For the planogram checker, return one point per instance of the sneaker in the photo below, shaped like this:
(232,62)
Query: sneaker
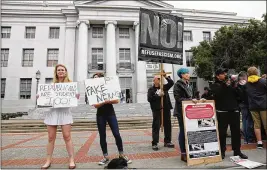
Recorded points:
(169,145)
(103,161)
(155,147)
(241,155)
(260,146)
(126,158)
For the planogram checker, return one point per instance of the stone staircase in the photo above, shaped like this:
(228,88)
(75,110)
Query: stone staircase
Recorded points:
(130,116)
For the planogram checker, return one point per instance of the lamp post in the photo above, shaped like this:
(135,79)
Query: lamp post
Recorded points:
(37,76)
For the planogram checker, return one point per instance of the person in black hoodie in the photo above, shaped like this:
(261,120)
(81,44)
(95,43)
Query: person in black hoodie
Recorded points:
(247,122)
(154,98)
(257,91)
(225,96)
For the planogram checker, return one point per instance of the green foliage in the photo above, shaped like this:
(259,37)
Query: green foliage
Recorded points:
(235,47)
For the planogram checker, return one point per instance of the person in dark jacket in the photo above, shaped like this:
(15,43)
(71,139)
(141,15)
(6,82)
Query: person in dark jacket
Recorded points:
(154,98)
(182,91)
(257,91)
(225,96)
(247,121)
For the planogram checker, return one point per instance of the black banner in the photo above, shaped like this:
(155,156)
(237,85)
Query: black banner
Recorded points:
(160,37)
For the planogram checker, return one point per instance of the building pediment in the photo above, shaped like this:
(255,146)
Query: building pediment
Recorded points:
(137,3)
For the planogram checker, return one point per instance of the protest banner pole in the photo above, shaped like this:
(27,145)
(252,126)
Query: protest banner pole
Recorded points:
(161,89)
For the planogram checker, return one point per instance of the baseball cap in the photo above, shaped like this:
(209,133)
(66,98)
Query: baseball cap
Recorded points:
(220,71)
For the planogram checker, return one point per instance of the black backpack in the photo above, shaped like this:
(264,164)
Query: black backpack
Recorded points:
(117,163)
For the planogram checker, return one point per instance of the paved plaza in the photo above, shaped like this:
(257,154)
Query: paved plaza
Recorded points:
(28,150)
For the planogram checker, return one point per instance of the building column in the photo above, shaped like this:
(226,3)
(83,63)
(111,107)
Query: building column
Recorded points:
(81,62)
(141,83)
(111,61)
(69,57)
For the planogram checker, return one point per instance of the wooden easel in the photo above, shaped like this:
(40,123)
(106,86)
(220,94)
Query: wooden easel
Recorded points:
(162,72)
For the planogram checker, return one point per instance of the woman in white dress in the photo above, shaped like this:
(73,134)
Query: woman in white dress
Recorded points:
(61,117)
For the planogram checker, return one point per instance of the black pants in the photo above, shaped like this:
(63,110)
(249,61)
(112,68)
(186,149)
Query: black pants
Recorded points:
(232,119)
(156,126)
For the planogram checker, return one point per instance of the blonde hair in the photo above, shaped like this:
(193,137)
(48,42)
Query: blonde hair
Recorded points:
(66,79)
(252,71)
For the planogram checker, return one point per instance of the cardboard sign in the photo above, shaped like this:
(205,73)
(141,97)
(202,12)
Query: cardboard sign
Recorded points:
(160,37)
(58,95)
(65,95)
(100,89)
(201,133)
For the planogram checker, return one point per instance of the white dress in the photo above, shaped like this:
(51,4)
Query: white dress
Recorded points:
(58,116)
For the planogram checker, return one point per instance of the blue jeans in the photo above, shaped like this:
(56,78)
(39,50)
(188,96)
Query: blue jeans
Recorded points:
(181,137)
(248,125)
(113,124)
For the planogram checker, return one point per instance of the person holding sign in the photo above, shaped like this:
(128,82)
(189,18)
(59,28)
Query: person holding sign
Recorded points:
(62,117)
(106,114)
(225,95)
(182,91)
(154,95)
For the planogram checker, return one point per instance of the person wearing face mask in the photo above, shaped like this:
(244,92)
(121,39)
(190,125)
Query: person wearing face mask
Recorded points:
(247,121)
(182,91)
(226,101)
(154,95)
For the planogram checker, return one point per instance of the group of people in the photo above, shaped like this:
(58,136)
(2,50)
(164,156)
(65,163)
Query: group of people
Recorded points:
(249,95)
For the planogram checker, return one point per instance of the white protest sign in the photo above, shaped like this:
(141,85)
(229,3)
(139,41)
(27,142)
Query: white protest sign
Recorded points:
(65,95)
(45,93)
(100,89)
(58,95)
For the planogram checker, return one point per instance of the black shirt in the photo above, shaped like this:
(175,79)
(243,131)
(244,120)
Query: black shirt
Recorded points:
(105,110)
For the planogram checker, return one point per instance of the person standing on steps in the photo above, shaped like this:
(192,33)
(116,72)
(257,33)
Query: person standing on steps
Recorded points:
(182,91)
(225,95)
(154,95)
(106,114)
(59,117)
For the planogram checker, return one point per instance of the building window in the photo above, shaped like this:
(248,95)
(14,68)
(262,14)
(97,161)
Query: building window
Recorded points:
(97,32)
(27,60)
(124,33)
(126,82)
(4,57)
(30,32)
(5,32)
(54,33)
(152,66)
(25,88)
(188,36)
(97,58)
(3,87)
(149,82)
(48,80)
(189,59)
(52,57)
(193,83)
(125,58)
(206,36)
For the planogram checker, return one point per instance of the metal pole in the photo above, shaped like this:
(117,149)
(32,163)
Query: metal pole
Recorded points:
(37,83)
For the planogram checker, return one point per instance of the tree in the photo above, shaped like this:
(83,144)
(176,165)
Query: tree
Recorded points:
(234,47)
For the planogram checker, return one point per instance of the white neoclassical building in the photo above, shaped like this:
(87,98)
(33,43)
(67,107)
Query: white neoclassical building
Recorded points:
(89,37)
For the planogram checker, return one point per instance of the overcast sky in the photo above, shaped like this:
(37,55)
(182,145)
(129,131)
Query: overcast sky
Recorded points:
(253,9)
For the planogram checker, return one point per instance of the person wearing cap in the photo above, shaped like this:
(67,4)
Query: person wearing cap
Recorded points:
(257,90)
(154,95)
(182,91)
(226,101)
